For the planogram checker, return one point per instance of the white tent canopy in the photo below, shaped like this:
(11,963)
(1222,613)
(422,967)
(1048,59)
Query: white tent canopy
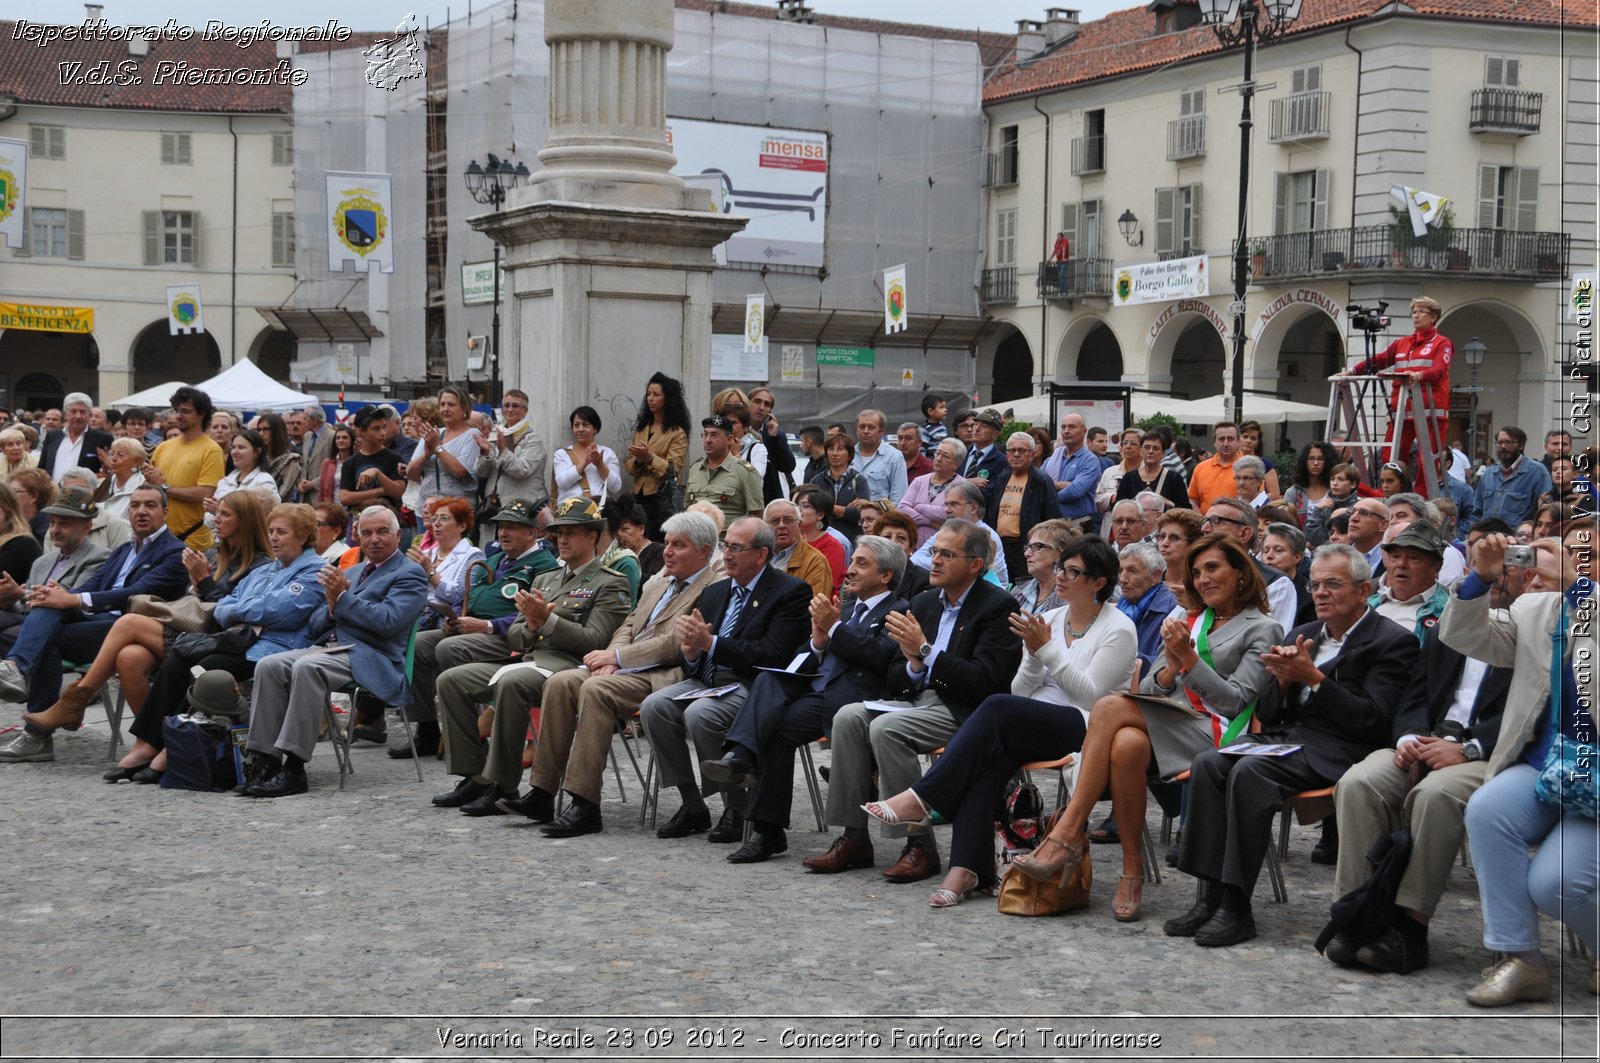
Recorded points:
(1262,408)
(243,386)
(155,398)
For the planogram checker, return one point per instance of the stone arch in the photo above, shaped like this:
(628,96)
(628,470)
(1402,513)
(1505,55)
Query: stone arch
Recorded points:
(273,349)
(37,369)
(1297,324)
(1516,354)
(158,356)
(1088,344)
(1006,341)
(1177,327)
(1013,369)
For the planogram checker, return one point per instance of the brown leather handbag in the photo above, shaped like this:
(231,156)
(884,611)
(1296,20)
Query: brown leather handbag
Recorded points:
(1021,895)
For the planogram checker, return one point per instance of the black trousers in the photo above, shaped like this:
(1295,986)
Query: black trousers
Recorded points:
(1232,803)
(170,687)
(779,716)
(1011,548)
(657,508)
(967,783)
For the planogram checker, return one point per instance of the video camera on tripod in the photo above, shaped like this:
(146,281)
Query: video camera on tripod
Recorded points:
(1367,318)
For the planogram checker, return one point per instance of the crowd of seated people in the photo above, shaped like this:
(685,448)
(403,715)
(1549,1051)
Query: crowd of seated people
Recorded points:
(1004,597)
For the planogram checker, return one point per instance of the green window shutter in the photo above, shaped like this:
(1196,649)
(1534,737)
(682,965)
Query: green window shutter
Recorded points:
(152,238)
(75,234)
(1319,203)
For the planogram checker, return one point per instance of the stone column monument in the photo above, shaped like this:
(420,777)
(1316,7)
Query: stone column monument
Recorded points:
(607,253)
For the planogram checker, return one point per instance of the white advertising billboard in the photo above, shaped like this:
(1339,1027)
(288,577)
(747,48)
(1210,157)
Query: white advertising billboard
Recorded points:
(778,178)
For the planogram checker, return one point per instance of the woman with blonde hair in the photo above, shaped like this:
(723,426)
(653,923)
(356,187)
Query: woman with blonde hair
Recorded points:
(124,467)
(14,453)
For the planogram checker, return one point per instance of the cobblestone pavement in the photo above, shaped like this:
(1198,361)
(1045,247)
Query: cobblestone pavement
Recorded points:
(166,924)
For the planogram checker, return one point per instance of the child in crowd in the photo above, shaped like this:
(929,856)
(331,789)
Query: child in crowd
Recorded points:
(934,432)
(1343,491)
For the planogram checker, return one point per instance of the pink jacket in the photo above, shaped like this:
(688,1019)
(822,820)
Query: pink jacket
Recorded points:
(925,504)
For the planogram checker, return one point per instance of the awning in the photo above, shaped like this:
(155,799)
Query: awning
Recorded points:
(856,327)
(330,325)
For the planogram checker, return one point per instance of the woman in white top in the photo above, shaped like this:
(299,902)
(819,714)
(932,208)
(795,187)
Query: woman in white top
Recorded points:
(587,468)
(248,451)
(452,553)
(445,461)
(1075,655)
(123,461)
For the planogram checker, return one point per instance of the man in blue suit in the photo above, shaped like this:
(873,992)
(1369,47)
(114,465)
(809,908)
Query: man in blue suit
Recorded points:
(361,635)
(73,623)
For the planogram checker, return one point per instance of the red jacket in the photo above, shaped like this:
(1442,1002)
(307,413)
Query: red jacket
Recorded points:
(1427,352)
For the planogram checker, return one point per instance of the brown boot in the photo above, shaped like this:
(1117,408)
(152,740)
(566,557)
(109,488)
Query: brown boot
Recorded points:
(67,713)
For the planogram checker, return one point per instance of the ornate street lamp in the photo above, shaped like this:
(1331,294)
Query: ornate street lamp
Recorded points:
(1245,23)
(488,184)
(1473,352)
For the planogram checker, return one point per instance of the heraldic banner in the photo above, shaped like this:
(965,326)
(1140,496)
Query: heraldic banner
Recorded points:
(183,309)
(359,219)
(13,179)
(896,309)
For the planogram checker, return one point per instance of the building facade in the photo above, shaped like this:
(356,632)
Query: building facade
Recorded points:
(1135,117)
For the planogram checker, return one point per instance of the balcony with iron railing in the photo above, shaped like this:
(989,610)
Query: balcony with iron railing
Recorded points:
(1461,254)
(1076,278)
(1186,138)
(1179,252)
(1302,116)
(999,285)
(1506,111)
(1089,154)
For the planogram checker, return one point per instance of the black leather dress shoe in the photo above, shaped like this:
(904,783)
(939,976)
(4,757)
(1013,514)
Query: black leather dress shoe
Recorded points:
(685,822)
(1395,952)
(290,780)
(1343,949)
(1185,925)
(730,828)
(576,820)
(422,745)
(486,803)
(1326,851)
(730,771)
(466,790)
(760,847)
(535,805)
(1226,928)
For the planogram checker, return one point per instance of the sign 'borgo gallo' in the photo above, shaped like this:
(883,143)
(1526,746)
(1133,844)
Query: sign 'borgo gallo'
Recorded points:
(37,318)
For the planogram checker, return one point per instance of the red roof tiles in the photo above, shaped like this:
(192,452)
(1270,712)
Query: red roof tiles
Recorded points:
(1126,41)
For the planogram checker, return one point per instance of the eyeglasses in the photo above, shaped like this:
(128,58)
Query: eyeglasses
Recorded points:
(1359,512)
(1127,521)
(1334,585)
(1070,575)
(1209,522)
(778,522)
(941,554)
(734,549)
(1171,537)
(1033,548)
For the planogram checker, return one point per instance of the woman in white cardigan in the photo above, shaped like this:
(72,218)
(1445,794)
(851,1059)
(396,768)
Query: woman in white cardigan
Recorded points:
(1075,655)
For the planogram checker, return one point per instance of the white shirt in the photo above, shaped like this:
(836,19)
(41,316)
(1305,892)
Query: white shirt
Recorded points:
(68,453)
(1080,674)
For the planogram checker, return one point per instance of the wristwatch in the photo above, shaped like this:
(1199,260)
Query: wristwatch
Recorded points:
(924,650)
(1472,749)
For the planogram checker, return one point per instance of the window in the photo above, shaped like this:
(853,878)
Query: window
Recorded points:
(175,149)
(54,233)
(1178,220)
(1306,79)
(283,239)
(1005,238)
(1081,223)
(171,236)
(47,141)
(1501,73)
(1089,150)
(1003,162)
(283,149)
(1300,201)
(1508,198)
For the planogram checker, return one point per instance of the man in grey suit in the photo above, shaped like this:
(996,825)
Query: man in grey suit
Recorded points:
(365,630)
(72,561)
(316,445)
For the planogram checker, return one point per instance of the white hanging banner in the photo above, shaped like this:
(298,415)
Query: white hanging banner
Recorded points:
(896,310)
(755,322)
(184,311)
(359,213)
(1161,282)
(13,181)
(1425,208)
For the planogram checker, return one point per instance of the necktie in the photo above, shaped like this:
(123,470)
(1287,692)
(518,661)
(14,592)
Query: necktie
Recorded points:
(735,607)
(972,463)
(672,592)
(366,571)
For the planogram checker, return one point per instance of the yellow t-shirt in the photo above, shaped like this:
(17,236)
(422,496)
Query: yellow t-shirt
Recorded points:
(189,463)
(1009,523)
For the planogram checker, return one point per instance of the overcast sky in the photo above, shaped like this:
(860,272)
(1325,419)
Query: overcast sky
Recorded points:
(385,14)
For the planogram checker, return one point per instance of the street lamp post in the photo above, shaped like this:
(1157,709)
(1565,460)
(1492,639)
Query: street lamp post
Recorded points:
(488,184)
(1473,351)
(1246,23)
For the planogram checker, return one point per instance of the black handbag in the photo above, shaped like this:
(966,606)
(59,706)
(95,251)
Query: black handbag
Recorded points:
(192,646)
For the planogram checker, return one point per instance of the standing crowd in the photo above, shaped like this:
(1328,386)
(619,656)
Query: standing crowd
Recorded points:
(933,587)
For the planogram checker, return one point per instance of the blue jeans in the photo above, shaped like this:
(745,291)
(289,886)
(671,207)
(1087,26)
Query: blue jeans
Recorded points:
(1560,879)
(45,637)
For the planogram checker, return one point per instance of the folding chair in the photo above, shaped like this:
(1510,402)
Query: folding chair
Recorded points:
(341,742)
(1310,806)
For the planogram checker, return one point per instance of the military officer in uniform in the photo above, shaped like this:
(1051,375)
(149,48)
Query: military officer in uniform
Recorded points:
(721,477)
(479,633)
(566,614)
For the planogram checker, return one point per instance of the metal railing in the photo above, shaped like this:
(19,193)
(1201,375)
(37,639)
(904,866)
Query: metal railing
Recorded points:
(1302,116)
(1075,279)
(1506,111)
(1089,154)
(1179,252)
(1186,138)
(999,285)
(1500,254)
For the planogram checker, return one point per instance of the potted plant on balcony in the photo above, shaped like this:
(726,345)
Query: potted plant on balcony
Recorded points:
(1258,258)
(1434,249)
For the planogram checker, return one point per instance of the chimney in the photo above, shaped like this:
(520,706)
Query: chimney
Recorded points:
(795,11)
(1060,25)
(1030,38)
(93,12)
